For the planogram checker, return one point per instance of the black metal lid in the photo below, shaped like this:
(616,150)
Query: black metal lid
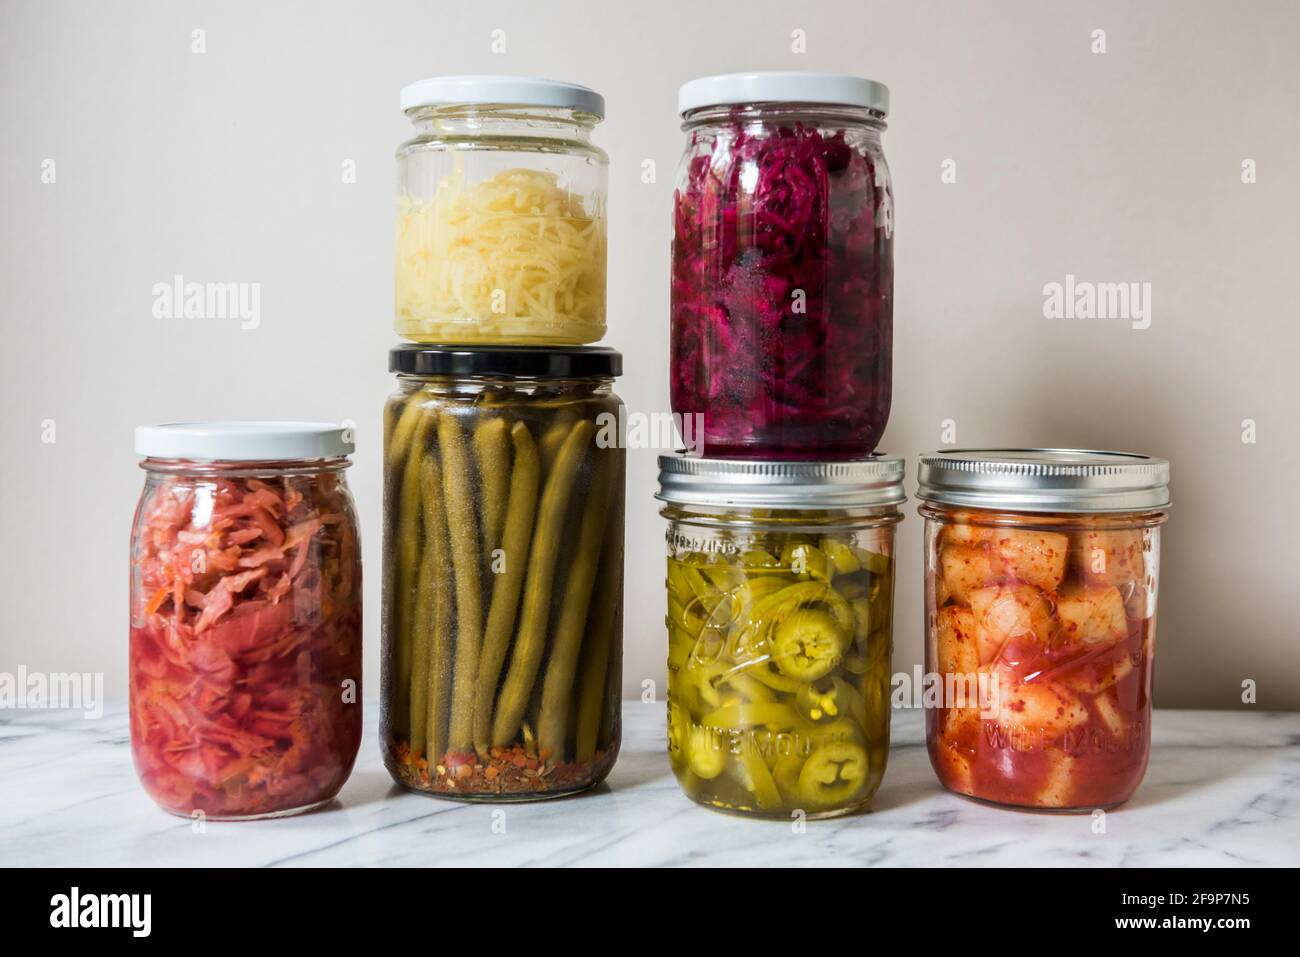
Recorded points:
(511,362)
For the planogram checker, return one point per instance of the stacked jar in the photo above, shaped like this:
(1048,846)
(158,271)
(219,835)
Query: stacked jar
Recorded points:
(503,496)
(780,572)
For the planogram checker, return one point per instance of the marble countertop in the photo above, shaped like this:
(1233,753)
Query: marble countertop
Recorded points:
(1223,788)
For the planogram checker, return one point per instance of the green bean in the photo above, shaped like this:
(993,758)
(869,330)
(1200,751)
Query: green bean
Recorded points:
(558,681)
(599,656)
(389,567)
(553,437)
(408,558)
(611,713)
(492,449)
(393,409)
(404,429)
(531,640)
(440,650)
(432,606)
(462,529)
(522,507)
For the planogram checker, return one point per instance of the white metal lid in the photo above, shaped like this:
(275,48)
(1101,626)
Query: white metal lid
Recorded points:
(501,90)
(749,483)
(1044,480)
(783,87)
(244,441)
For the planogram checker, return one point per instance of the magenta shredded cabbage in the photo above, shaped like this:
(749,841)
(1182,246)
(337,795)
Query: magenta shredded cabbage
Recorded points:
(782,289)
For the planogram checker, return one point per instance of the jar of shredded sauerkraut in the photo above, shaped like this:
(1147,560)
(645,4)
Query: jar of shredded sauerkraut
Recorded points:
(501,213)
(245,661)
(783,266)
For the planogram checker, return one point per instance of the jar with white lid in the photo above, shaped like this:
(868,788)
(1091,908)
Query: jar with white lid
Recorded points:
(783,265)
(501,213)
(780,628)
(1040,600)
(245,596)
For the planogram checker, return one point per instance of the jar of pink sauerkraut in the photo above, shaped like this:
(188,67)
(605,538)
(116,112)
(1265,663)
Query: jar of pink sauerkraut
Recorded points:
(782,266)
(245,663)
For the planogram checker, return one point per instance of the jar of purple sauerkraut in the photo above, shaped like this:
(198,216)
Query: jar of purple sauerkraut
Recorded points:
(783,266)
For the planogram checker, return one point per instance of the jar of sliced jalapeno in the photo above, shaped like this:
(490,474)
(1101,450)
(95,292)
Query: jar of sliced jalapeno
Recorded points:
(780,594)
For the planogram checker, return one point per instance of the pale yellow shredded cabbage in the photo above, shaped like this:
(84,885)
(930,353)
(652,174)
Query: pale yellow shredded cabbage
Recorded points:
(512,258)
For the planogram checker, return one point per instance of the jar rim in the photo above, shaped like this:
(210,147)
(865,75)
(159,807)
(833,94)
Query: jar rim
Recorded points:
(790,86)
(780,484)
(244,441)
(508,362)
(1044,480)
(227,468)
(490,90)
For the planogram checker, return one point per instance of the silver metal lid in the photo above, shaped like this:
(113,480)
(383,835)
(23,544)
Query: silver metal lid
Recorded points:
(723,483)
(1044,480)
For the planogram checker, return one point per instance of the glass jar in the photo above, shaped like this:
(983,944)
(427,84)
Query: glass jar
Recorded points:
(503,571)
(501,213)
(245,666)
(783,266)
(1040,600)
(780,629)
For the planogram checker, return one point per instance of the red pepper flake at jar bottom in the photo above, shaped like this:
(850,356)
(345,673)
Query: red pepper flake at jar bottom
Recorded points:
(514,771)
(246,625)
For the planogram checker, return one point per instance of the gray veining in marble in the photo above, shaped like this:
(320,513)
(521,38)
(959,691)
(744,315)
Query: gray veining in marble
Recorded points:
(1223,788)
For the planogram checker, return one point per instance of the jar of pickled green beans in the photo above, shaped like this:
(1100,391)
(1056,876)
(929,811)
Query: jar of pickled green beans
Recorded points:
(780,611)
(503,571)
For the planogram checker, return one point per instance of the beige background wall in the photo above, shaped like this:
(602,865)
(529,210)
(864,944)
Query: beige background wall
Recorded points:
(226,165)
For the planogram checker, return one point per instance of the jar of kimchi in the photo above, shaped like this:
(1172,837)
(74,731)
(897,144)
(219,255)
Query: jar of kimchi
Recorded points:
(501,234)
(783,266)
(1041,574)
(245,667)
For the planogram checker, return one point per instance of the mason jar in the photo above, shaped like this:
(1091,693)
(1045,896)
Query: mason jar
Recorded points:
(503,571)
(245,662)
(783,265)
(1041,573)
(501,222)
(780,629)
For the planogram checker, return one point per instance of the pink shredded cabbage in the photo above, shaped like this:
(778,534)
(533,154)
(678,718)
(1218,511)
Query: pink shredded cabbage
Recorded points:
(777,373)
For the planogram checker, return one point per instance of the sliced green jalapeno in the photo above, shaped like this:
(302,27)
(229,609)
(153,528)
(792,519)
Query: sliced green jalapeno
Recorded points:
(706,756)
(808,644)
(807,561)
(833,773)
(778,655)
(841,557)
(749,714)
(752,774)
(828,699)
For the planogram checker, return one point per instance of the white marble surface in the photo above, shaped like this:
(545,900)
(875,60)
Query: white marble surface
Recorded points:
(1223,789)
